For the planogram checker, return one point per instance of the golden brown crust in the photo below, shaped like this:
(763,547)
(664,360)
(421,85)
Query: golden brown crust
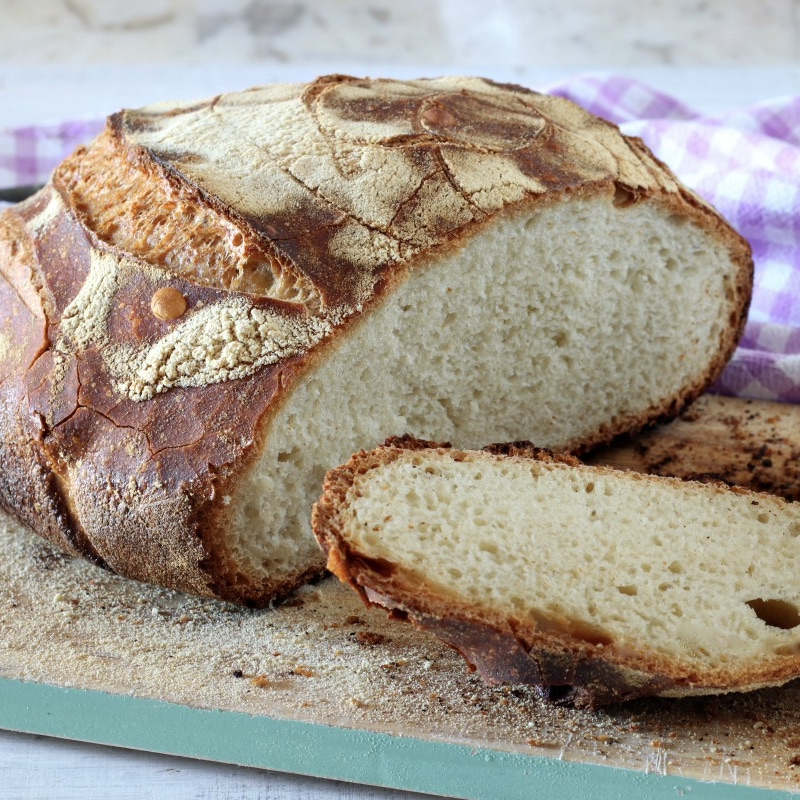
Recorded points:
(569,662)
(124,431)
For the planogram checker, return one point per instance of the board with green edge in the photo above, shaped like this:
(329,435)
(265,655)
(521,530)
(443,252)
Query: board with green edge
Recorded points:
(322,686)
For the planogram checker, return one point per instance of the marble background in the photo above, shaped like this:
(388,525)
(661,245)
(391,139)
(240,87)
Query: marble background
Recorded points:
(514,34)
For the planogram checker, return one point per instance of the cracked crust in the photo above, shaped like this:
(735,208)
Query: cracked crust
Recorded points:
(569,661)
(282,215)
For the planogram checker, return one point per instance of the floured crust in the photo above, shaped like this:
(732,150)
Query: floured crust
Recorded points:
(124,433)
(569,661)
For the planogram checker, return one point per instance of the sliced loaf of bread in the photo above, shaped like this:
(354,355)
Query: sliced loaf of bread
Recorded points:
(594,584)
(214,302)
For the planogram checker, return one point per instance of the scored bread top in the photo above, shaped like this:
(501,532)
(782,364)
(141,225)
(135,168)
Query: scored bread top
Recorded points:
(347,177)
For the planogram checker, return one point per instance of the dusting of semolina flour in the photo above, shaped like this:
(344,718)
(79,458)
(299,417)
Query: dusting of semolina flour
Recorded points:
(322,657)
(226,340)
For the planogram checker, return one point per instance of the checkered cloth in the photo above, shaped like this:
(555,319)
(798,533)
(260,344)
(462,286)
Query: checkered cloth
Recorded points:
(745,162)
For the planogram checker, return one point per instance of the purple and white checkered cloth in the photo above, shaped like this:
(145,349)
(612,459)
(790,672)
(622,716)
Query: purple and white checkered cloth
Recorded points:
(745,162)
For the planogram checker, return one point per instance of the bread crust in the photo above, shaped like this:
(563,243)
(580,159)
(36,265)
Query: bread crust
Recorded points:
(569,662)
(127,459)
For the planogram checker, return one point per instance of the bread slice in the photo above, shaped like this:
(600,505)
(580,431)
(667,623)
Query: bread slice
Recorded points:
(214,302)
(594,584)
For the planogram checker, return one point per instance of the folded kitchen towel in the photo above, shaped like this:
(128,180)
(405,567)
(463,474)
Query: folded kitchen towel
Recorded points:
(746,162)
(29,154)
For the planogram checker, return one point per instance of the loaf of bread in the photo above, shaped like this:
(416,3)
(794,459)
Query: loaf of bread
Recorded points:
(214,302)
(593,584)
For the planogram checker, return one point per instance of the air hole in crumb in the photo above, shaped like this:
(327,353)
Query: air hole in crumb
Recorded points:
(776,613)
(237,240)
(589,487)
(630,590)
(675,567)
(532,221)
(455,573)
(763,517)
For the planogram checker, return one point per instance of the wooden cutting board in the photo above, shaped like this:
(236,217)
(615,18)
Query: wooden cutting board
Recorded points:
(752,443)
(323,686)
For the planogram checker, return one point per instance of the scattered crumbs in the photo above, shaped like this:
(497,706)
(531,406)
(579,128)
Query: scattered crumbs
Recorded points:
(541,743)
(261,681)
(370,638)
(353,619)
(304,671)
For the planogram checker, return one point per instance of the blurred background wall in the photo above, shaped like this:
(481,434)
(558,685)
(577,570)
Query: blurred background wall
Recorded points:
(68,59)
(503,33)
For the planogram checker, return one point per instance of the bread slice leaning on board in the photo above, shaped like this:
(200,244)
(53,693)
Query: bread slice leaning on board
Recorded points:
(595,585)
(214,302)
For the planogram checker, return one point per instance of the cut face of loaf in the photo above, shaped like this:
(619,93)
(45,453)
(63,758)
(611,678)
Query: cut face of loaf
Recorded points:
(466,366)
(593,584)
(345,259)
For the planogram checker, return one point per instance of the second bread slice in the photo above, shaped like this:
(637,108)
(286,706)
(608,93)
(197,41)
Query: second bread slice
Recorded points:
(593,584)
